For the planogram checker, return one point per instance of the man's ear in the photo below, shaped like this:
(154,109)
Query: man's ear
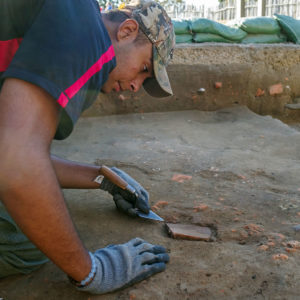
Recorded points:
(128,31)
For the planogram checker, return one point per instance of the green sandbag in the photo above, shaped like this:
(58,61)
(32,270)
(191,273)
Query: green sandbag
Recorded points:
(264,39)
(262,25)
(290,27)
(183,38)
(181,26)
(209,38)
(209,26)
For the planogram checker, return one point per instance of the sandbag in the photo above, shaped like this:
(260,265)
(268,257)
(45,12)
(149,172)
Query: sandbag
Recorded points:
(290,27)
(264,39)
(209,26)
(209,38)
(181,26)
(262,25)
(183,38)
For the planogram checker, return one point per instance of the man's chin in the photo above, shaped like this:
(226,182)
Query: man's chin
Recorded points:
(106,90)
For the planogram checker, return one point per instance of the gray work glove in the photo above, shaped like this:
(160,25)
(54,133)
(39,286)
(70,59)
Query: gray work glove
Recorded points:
(119,266)
(124,200)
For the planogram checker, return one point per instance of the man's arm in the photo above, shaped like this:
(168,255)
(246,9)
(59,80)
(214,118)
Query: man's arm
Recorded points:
(74,175)
(28,184)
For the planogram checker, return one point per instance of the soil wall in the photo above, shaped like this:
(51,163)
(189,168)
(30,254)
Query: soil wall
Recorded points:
(263,77)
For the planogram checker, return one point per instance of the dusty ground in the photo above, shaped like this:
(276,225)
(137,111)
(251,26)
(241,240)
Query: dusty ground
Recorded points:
(245,185)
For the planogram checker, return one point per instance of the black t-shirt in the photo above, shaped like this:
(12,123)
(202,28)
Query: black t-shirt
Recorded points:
(61,46)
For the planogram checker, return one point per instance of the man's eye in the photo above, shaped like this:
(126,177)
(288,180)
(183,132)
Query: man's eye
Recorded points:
(145,68)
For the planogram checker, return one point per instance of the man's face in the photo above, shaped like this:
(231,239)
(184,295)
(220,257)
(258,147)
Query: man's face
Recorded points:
(134,65)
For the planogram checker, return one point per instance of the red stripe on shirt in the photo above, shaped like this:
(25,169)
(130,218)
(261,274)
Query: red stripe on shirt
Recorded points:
(7,51)
(78,84)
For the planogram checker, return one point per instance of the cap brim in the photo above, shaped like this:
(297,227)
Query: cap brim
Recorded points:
(159,85)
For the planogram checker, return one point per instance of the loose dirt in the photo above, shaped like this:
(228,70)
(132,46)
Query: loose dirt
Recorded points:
(231,170)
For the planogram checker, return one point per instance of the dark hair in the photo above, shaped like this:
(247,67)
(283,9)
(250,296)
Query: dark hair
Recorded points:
(118,16)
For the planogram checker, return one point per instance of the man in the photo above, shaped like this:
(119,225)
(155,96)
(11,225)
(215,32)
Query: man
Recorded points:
(55,56)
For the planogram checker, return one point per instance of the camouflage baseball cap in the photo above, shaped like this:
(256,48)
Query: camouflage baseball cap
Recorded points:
(157,26)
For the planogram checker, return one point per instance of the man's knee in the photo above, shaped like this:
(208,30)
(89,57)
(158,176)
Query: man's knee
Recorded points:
(20,261)
(17,253)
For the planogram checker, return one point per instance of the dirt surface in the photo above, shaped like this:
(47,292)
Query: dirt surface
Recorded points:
(241,179)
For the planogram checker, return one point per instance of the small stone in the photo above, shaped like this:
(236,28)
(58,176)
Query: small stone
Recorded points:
(122,97)
(296,227)
(201,91)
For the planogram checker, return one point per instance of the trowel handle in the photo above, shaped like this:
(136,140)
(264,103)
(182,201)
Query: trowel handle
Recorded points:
(113,177)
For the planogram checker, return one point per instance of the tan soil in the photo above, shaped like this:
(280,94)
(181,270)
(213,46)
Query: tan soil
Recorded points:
(245,170)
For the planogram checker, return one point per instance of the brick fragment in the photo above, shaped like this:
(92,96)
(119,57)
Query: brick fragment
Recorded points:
(159,204)
(132,296)
(200,207)
(259,92)
(253,229)
(293,244)
(276,89)
(280,256)
(263,248)
(277,237)
(189,232)
(181,177)
(218,84)
(291,250)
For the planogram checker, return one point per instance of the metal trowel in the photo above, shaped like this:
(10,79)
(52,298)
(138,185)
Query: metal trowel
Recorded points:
(151,215)
(120,182)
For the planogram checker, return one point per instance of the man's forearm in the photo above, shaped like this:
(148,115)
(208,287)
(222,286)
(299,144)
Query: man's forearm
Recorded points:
(36,204)
(73,175)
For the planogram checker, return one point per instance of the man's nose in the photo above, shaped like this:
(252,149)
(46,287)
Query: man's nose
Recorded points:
(136,84)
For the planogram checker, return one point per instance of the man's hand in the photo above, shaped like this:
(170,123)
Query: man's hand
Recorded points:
(124,200)
(119,266)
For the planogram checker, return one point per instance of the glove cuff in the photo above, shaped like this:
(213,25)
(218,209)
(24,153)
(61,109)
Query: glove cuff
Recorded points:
(85,282)
(104,183)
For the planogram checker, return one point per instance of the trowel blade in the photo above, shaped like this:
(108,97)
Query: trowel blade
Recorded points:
(152,215)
